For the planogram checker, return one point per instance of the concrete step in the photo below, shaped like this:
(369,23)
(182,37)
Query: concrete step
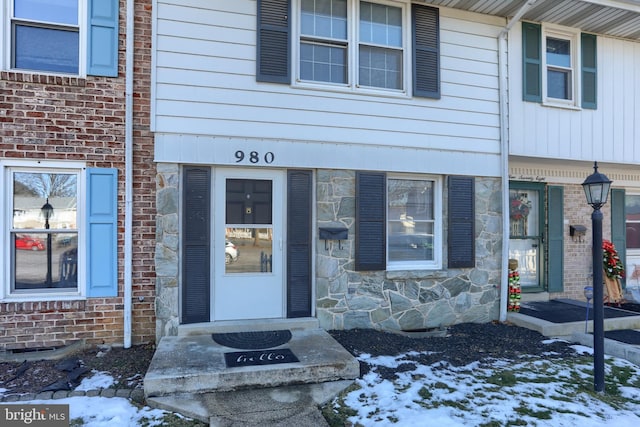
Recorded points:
(566,330)
(247,325)
(284,406)
(195,363)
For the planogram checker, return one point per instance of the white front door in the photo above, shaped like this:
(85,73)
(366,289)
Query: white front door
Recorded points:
(248,245)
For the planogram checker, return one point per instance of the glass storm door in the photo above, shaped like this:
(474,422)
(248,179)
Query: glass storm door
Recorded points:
(525,236)
(248,265)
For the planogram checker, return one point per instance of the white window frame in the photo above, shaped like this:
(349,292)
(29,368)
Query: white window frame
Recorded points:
(6,15)
(353,44)
(436,263)
(573,37)
(6,193)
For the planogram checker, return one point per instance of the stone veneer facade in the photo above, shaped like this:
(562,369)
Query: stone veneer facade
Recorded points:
(344,298)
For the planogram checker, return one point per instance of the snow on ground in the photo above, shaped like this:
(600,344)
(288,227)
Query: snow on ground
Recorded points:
(549,393)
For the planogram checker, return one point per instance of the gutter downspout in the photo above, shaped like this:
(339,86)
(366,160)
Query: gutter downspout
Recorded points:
(503,83)
(128,173)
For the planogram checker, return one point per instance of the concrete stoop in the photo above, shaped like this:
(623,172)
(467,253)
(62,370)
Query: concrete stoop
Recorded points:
(188,375)
(611,347)
(567,330)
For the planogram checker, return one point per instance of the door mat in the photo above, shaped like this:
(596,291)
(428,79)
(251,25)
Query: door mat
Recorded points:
(627,336)
(257,358)
(256,340)
(562,312)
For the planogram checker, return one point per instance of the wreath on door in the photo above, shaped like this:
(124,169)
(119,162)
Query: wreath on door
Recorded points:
(519,209)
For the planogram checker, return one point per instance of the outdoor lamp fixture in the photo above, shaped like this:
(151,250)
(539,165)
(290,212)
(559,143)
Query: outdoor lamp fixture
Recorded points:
(596,188)
(47,212)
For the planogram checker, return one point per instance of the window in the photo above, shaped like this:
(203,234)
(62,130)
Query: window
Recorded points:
(560,60)
(326,51)
(46,36)
(43,230)
(632,209)
(350,45)
(566,73)
(59,228)
(74,37)
(411,222)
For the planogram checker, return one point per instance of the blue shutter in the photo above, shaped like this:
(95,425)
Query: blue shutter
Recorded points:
(371,221)
(273,44)
(556,239)
(425,27)
(461,232)
(619,227)
(102,229)
(102,40)
(589,71)
(531,62)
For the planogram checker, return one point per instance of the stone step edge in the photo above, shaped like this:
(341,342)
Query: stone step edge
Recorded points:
(136,395)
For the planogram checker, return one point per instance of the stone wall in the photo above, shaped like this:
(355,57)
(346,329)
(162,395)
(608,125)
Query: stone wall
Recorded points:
(404,300)
(167,249)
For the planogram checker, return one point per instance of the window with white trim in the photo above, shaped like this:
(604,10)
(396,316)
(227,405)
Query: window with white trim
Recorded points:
(42,230)
(414,231)
(45,35)
(69,37)
(357,44)
(560,62)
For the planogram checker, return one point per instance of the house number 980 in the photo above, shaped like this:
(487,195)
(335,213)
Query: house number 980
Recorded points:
(254,157)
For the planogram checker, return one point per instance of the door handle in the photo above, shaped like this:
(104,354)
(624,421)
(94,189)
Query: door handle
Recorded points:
(535,245)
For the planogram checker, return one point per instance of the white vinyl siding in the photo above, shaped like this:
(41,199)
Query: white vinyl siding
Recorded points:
(204,84)
(608,133)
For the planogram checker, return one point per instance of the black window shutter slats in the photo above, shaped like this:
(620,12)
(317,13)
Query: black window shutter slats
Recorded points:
(589,71)
(531,62)
(273,41)
(299,205)
(371,199)
(461,233)
(196,245)
(425,22)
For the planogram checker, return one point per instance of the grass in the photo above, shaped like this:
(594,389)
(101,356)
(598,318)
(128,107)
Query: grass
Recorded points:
(523,392)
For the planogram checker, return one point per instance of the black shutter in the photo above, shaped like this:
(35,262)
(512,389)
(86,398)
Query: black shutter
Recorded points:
(425,22)
(371,240)
(273,41)
(531,62)
(556,239)
(589,71)
(299,204)
(461,235)
(196,245)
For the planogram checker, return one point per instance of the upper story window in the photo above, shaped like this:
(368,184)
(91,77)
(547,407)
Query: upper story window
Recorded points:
(72,37)
(559,66)
(331,52)
(381,46)
(46,36)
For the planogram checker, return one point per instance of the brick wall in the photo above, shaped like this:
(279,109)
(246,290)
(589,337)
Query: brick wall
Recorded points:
(577,251)
(83,119)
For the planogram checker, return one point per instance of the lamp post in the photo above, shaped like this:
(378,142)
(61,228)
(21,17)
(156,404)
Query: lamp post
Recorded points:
(47,212)
(596,189)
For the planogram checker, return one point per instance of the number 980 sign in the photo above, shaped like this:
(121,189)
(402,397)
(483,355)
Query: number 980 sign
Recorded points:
(254,157)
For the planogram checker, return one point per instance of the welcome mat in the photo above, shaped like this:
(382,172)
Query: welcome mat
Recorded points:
(255,340)
(257,358)
(564,312)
